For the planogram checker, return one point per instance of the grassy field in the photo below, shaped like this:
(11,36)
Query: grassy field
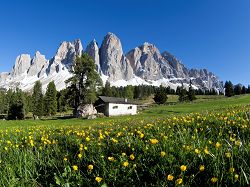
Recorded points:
(205,143)
(203,103)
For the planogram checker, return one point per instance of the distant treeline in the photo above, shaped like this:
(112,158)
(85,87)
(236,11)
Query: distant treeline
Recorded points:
(16,104)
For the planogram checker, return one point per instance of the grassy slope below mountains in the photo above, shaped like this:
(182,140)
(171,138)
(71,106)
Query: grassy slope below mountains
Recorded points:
(203,103)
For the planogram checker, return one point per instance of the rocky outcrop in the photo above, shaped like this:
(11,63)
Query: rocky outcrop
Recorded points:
(37,64)
(86,110)
(93,51)
(142,65)
(205,79)
(22,65)
(179,70)
(148,63)
(65,56)
(113,63)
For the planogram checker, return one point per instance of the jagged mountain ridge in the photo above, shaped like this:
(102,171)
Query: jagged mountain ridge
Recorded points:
(142,65)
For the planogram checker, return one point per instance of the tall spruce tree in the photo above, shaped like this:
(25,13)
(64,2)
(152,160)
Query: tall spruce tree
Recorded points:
(237,89)
(191,92)
(243,90)
(128,92)
(229,89)
(182,94)
(62,104)
(37,97)
(16,108)
(85,82)
(50,99)
(107,91)
(161,96)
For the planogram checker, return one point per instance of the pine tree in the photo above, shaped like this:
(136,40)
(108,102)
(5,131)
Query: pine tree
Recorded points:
(229,89)
(128,92)
(248,89)
(37,97)
(107,91)
(85,83)
(62,101)
(160,96)
(16,108)
(243,90)
(191,92)
(182,94)
(237,89)
(50,99)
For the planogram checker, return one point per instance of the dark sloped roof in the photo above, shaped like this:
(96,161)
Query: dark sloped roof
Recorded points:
(116,100)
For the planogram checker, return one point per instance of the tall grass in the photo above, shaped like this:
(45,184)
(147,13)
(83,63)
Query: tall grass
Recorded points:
(197,149)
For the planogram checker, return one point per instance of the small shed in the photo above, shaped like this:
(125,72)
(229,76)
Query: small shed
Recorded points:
(114,106)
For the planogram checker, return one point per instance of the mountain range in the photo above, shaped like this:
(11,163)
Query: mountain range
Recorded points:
(144,64)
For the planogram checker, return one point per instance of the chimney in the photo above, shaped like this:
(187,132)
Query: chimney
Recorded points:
(125,100)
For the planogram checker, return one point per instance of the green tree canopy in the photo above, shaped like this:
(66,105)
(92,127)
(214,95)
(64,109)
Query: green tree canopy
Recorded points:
(85,82)
(16,108)
(37,98)
(160,96)
(50,99)
(229,89)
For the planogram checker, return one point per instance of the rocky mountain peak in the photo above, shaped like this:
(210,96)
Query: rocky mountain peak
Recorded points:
(65,56)
(113,62)
(93,51)
(179,70)
(142,65)
(148,63)
(22,65)
(37,63)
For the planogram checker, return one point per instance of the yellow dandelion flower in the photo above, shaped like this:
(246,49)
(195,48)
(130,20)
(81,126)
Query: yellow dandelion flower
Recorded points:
(79,155)
(75,167)
(214,180)
(153,141)
(228,155)
(197,151)
(183,168)
(163,153)
(98,179)
(90,167)
(123,154)
(141,135)
(65,159)
(110,158)
(217,145)
(179,181)
(125,164)
(132,157)
(231,170)
(236,176)
(87,139)
(170,177)
(206,151)
(202,167)
(238,142)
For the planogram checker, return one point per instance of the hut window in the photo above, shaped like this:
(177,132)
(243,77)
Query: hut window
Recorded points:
(115,107)
(130,107)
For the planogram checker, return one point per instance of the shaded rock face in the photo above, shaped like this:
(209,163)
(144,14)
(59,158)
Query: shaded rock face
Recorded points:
(37,64)
(179,70)
(22,65)
(65,56)
(93,51)
(112,61)
(148,63)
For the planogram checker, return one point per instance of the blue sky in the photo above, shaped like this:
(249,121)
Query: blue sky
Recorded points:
(212,34)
